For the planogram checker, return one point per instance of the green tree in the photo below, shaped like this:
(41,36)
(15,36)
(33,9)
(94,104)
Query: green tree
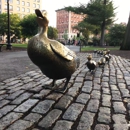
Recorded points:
(15,27)
(99,13)
(29,25)
(65,35)
(126,42)
(116,34)
(14,24)
(52,33)
(3,23)
(85,28)
(86,33)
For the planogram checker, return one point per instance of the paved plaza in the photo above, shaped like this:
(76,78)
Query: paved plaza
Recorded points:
(91,102)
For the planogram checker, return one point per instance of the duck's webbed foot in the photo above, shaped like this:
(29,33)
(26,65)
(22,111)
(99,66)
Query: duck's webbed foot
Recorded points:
(63,89)
(93,72)
(50,85)
(89,71)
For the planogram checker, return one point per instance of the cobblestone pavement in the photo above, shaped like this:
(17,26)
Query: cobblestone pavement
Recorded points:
(91,102)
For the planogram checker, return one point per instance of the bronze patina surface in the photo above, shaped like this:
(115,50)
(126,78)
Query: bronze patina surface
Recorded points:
(55,60)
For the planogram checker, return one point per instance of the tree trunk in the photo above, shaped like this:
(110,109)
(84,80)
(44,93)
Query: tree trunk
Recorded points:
(102,33)
(126,43)
(103,29)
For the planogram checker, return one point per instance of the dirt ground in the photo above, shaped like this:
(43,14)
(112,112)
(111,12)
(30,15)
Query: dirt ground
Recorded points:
(124,54)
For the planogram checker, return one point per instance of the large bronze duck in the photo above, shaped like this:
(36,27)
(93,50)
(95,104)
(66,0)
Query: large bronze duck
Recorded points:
(54,59)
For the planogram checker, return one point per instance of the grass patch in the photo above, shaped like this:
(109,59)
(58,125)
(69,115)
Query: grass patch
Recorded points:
(19,45)
(83,49)
(92,48)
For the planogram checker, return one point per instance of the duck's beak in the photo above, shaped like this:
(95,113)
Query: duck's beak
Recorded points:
(38,13)
(42,18)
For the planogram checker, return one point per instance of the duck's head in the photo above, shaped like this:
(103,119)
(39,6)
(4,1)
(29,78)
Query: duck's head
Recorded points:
(42,18)
(108,51)
(104,53)
(89,57)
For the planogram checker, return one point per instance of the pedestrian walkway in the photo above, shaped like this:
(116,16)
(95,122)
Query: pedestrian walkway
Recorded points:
(91,102)
(74,48)
(15,63)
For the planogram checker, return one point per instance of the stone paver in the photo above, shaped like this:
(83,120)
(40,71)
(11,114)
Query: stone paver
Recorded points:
(92,102)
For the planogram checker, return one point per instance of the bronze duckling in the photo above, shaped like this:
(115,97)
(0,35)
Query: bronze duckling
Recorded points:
(107,56)
(95,51)
(54,59)
(102,61)
(91,64)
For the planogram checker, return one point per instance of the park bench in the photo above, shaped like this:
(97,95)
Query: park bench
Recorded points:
(1,45)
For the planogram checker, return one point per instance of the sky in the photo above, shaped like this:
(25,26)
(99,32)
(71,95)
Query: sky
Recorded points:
(122,11)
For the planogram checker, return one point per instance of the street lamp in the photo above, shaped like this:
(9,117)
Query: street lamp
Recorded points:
(9,46)
(78,35)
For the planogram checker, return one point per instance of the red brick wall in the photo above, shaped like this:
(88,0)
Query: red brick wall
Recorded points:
(63,21)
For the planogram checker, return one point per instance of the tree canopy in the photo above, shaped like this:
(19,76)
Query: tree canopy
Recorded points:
(14,24)
(26,27)
(29,25)
(116,34)
(99,13)
(52,33)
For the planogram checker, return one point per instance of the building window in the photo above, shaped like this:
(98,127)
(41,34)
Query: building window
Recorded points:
(18,2)
(23,9)
(33,10)
(5,6)
(38,6)
(23,3)
(34,0)
(28,4)
(11,1)
(34,5)
(38,0)
(28,10)
(18,8)
(10,7)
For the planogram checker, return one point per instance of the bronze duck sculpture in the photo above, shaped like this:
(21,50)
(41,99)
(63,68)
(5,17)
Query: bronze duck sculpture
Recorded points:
(91,64)
(54,59)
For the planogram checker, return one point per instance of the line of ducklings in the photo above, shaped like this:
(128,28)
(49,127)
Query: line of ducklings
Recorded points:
(103,59)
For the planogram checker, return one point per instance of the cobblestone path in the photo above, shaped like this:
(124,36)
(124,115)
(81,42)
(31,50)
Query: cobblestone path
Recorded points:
(91,102)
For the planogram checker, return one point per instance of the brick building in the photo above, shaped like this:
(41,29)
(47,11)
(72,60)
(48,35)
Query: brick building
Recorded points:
(20,7)
(66,20)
